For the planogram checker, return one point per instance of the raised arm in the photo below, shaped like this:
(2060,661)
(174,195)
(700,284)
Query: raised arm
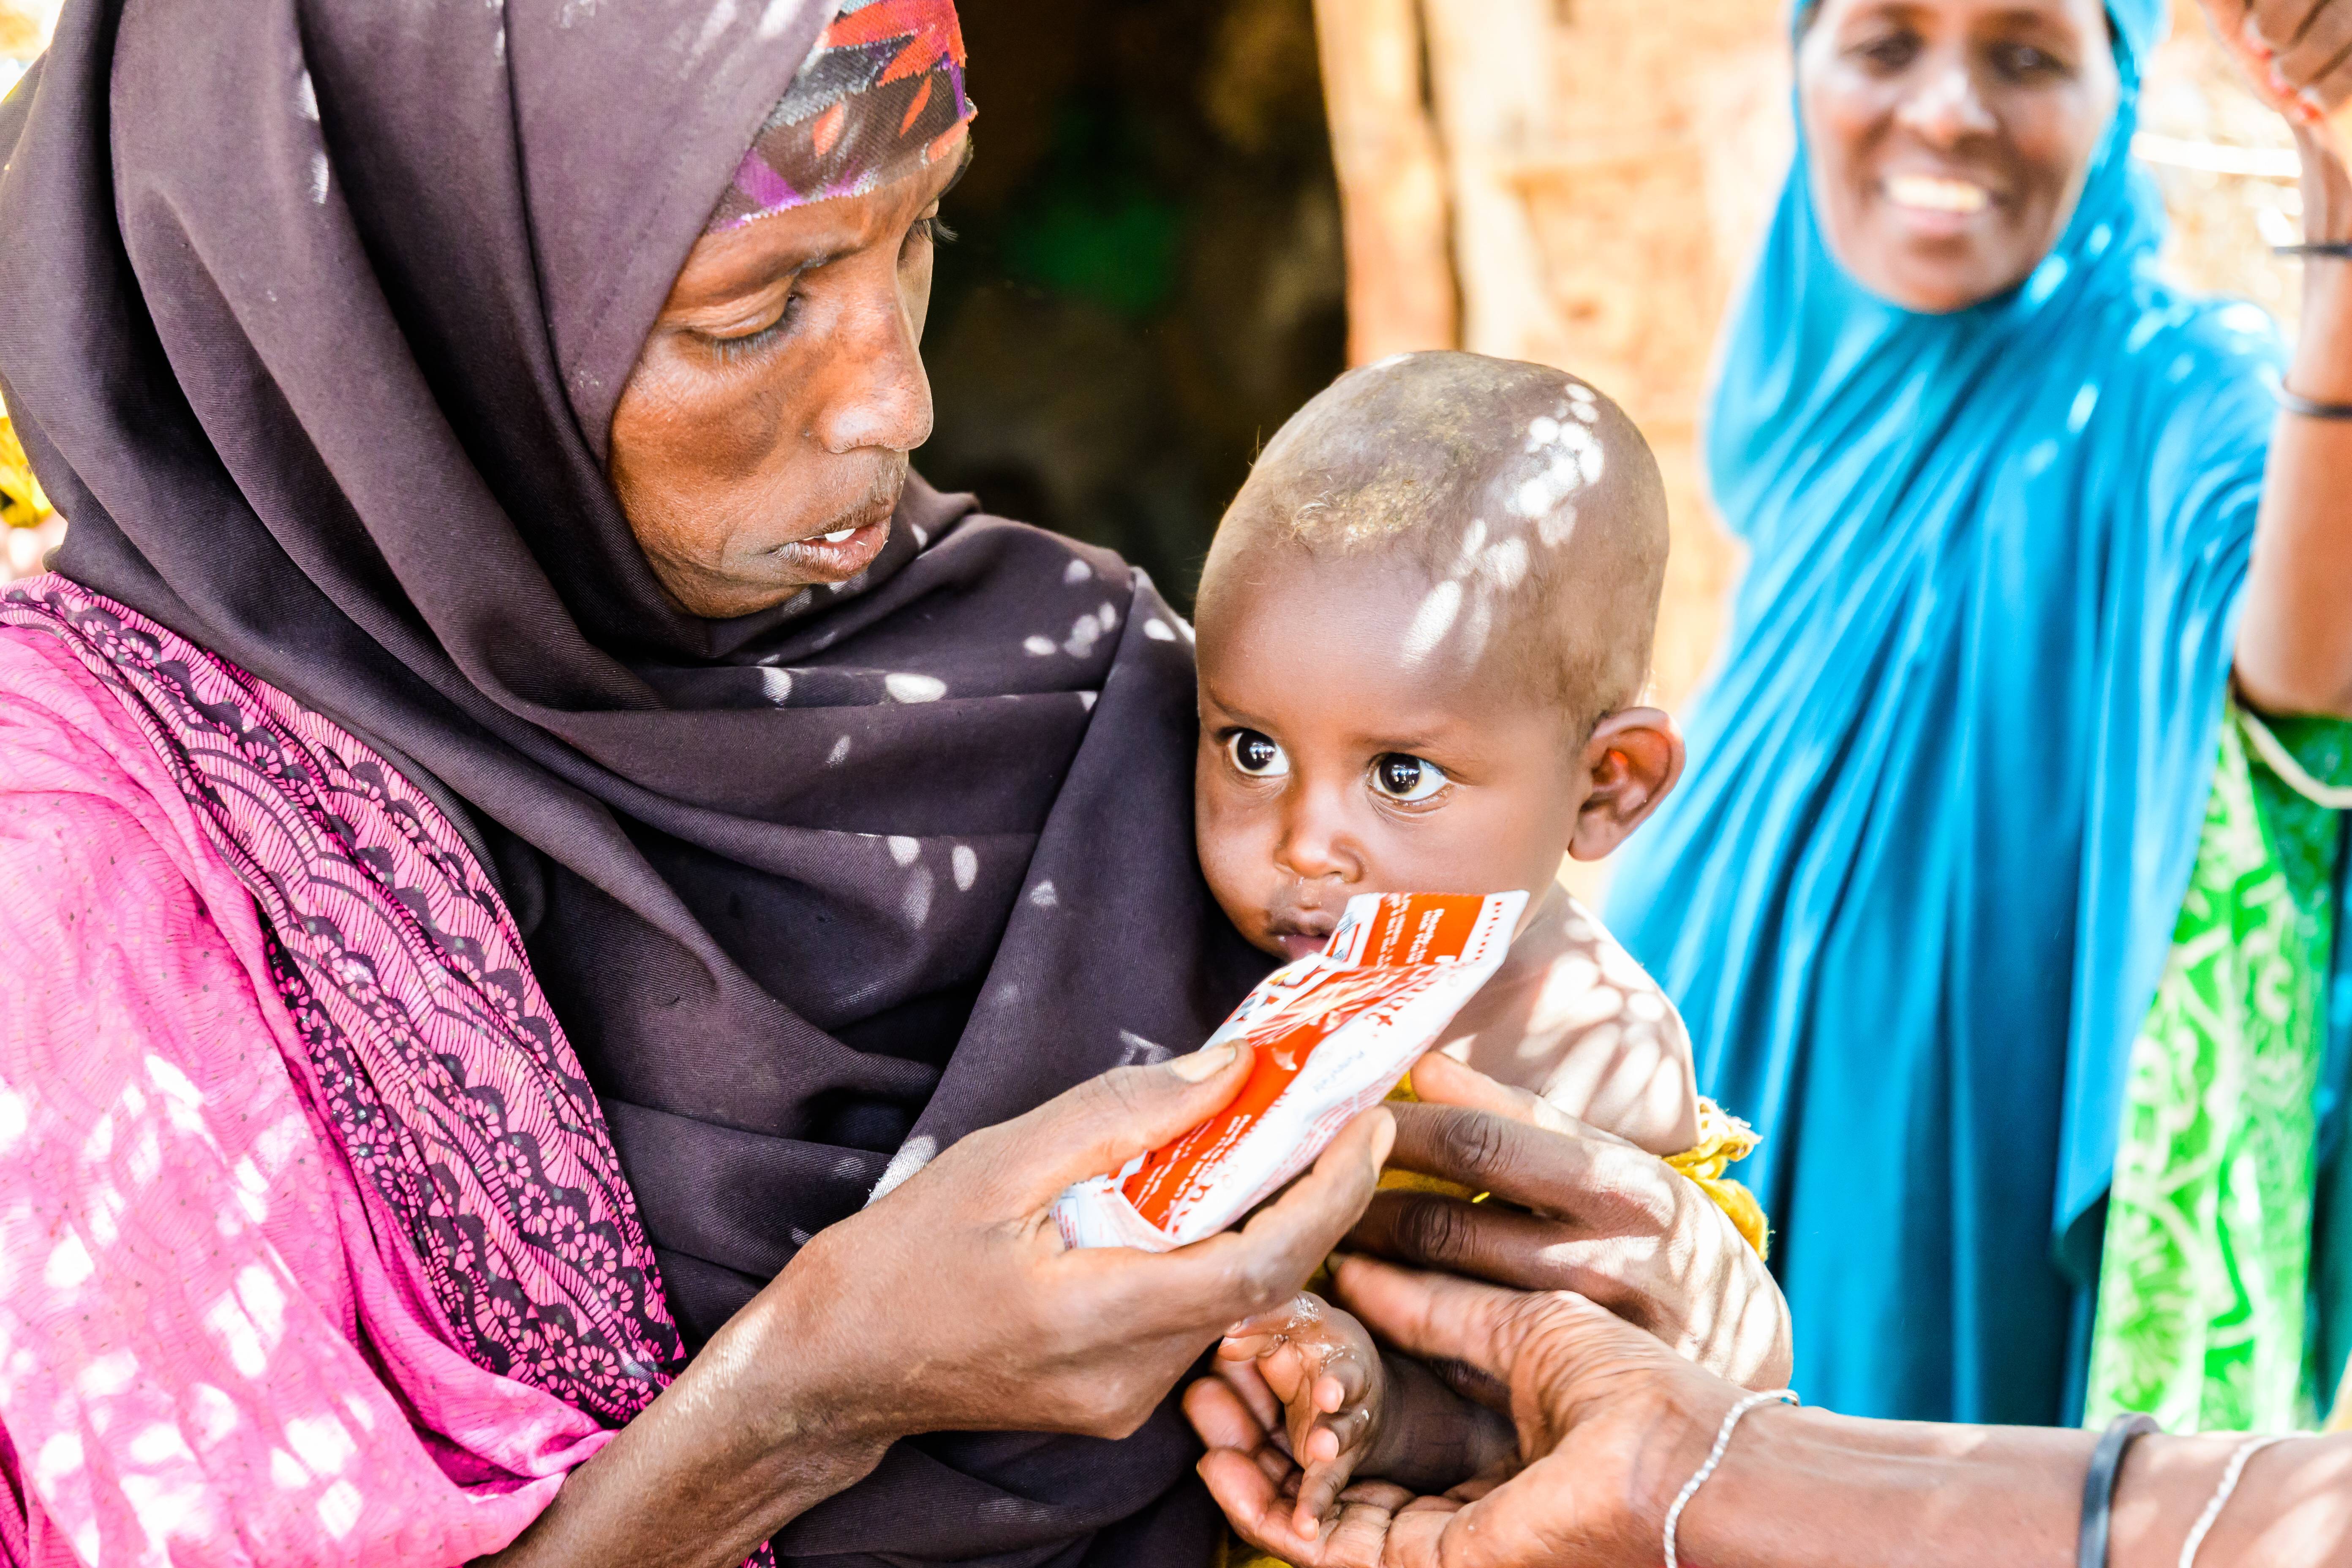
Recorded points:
(2295,639)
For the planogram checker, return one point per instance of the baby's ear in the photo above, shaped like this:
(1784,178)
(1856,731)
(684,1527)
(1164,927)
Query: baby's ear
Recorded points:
(1633,759)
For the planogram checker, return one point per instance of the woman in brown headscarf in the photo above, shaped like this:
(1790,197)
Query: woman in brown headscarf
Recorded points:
(523,828)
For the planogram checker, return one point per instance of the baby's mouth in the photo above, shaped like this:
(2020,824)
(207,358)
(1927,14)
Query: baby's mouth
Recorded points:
(1300,935)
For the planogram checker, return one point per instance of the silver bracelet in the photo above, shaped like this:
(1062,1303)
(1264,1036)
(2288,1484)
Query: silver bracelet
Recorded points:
(2221,1493)
(1713,1458)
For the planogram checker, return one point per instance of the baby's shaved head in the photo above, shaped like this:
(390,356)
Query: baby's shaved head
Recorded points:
(1527,501)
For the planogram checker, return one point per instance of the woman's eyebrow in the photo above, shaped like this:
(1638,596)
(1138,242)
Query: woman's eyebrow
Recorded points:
(2025,16)
(780,267)
(738,296)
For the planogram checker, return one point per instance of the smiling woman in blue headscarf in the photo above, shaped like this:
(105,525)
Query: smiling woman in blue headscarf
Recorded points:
(2020,514)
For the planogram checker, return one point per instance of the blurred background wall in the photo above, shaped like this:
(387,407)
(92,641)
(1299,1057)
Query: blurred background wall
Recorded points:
(23,32)
(28,527)
(1187,216)
(1148,278)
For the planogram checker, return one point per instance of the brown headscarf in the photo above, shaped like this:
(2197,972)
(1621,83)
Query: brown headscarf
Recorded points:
(313,314)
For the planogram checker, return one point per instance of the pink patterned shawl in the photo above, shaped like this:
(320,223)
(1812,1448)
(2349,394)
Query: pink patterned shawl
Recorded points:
(364,1297)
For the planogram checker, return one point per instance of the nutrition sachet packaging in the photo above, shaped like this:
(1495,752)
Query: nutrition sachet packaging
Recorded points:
(1332,1033)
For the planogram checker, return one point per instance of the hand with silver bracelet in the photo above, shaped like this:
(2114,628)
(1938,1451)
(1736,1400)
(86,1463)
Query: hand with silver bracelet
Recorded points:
(1614,1429)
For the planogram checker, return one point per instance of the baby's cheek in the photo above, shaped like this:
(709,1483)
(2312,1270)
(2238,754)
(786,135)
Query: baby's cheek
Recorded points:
(1466,848)
(1235,845)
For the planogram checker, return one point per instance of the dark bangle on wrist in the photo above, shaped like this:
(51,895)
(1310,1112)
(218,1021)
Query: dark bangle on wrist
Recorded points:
(2309,407)
(2099,1486)
(2340,249)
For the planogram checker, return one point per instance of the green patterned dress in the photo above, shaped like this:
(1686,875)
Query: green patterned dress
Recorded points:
(2206,1305)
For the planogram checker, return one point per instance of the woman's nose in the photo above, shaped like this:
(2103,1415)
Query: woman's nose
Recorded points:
(1946,108)
(884,397)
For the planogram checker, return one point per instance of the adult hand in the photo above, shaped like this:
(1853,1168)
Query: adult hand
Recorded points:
(2296,50)
(2298,55)
(1594,1214)
(951,1304)
(1611,1427)
(1610,1423)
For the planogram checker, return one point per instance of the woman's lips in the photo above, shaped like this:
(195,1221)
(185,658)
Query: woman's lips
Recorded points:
(839,555)
(1937,204)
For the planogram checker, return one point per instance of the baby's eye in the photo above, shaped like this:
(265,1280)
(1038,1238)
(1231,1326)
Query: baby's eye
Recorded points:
(1256,754)
(1402,776)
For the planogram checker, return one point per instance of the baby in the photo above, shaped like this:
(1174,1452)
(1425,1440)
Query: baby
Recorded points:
(1421,629)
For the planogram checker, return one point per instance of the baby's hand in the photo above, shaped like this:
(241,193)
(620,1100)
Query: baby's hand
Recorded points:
(1324,1368)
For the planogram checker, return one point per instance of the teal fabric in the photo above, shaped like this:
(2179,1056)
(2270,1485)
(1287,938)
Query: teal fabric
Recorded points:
(2328,1338)
(1915,893)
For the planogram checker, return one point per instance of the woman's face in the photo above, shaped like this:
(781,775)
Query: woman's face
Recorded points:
(762,441)
(1950,138)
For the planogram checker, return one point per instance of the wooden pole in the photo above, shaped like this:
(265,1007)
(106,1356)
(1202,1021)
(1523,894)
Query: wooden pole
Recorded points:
(1597,151)
(24,27)
(1491,76)
(1400,288)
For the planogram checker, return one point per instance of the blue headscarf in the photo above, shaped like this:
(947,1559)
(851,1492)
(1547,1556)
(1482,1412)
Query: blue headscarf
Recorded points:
(1917,892)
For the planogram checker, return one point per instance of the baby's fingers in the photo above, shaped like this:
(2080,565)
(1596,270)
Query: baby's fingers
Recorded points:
(1285,1348)
(1301,1311)
(1327,1409)
(1344,1379)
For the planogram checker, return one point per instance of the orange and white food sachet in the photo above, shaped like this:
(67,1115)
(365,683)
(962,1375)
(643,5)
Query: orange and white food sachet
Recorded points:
(1332,1034)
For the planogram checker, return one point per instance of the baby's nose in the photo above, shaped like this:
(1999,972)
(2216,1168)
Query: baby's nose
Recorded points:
(1317,850)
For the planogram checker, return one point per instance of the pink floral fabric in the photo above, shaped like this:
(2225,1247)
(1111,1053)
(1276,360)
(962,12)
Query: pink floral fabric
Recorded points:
(317,1250)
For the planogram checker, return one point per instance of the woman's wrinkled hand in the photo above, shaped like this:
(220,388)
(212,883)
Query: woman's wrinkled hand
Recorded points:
(951,1304)
(1610,1422)
(1586,1212)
